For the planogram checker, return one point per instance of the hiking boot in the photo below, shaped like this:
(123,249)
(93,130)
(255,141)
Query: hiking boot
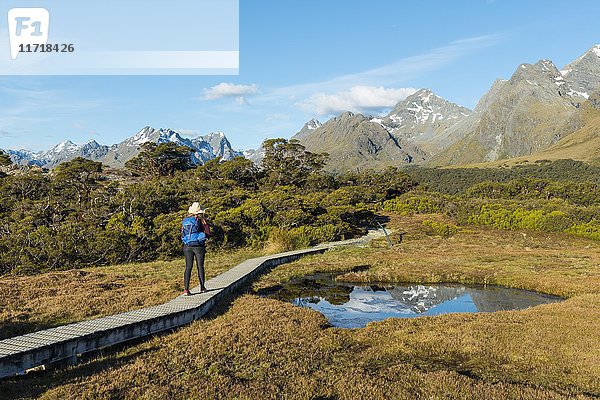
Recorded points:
(186,293)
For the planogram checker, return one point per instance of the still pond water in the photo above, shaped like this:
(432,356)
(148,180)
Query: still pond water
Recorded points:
(348,305)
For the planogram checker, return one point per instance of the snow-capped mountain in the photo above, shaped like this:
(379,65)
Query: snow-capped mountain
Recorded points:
(220,145)
(256,156)
(23,157)
(422,108)
(535,109)
(308,127)
(406,135)
(63,151)
(424,118)
(205,148)
(354,141)
(583,74)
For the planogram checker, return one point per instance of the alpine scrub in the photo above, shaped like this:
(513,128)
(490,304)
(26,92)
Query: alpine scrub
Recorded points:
(80,215)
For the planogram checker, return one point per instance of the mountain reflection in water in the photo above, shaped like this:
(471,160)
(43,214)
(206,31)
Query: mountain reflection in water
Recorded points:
(348,306)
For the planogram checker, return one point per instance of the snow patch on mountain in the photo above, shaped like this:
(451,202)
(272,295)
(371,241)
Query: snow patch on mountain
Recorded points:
(210,146)
(313,124)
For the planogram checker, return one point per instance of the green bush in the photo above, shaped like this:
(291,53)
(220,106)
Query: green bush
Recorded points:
(435,228)
(407,205)
(590,230)
(495,215)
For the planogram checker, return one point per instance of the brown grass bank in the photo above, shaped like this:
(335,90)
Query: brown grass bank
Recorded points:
(266,349)
(30,303)
(263,348)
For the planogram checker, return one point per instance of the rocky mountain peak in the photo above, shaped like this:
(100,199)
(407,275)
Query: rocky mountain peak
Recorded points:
(313,124)
(354,141)
(421,108)
(422,94)
(66,145)
(489,96)
(204,148)
(347,115)
(544,80)
(308,127)
(583,74)
(91,143)
(592,55)
(219,145)
(534,109)
(543,70)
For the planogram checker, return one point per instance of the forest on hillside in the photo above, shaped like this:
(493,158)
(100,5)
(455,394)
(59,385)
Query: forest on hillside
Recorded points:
(81,214)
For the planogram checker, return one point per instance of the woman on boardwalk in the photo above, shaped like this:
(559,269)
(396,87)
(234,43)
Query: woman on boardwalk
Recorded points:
(194,231)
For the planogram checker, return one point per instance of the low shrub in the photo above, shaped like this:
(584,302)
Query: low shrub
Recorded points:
(407,205)
(435,228)
(590,230)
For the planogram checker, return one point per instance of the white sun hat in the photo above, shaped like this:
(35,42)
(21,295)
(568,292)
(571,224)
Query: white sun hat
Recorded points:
(196,209)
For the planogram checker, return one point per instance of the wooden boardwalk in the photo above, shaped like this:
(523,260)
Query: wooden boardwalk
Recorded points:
(65,343)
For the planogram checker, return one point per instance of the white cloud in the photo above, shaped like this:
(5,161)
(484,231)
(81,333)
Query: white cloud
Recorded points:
(357,99)
(225,90)
(188,132)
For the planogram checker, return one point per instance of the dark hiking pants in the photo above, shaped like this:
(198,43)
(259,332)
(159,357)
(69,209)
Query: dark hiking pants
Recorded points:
(191,252)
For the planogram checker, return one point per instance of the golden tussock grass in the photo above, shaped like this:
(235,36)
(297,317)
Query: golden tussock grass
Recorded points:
(30,303)
(263,348)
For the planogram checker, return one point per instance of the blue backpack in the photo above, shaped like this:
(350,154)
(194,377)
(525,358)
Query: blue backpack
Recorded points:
(192,232)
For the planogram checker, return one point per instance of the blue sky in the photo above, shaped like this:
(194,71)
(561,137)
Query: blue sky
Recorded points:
(304,59)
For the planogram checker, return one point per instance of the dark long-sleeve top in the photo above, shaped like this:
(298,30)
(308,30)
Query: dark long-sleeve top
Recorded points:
(206,227)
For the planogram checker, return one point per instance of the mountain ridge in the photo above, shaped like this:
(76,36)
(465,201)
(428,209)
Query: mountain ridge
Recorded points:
(205,147)
(533,110)
(536,109)
(408,134)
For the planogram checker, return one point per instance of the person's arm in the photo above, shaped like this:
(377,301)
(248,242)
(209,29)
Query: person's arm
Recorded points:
(206,227)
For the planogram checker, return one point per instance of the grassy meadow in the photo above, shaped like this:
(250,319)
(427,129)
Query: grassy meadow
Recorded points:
(30,303)
(263,348)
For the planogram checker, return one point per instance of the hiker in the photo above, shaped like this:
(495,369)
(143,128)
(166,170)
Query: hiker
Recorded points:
(194,231)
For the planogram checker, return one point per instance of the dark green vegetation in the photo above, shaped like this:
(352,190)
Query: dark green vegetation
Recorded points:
(79,215)
(160,159)
(458,180)
(560,196)
(75,216)
(4,159)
